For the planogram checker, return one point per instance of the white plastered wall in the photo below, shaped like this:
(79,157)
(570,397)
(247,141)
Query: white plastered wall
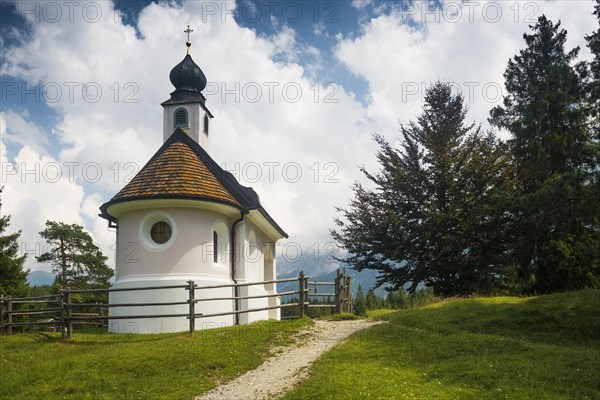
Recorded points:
(187,256)
(195,123)
(255,264)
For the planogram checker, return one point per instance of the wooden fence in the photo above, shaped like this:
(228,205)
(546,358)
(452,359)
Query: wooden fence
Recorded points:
(341,292)
(60,311)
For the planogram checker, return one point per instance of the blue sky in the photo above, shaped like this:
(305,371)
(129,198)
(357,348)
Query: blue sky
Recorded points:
(297,88)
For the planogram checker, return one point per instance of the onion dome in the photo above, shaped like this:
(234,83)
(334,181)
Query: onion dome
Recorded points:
(188,76)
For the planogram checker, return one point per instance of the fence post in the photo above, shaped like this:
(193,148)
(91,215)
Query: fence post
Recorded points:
(69,322)
(9,317)
(61,304)
(338,292)
(191,287)
(348,283)
(2,315)
(306,298)
(301,292)
(100,321)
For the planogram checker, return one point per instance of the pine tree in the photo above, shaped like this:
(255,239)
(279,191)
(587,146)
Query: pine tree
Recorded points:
(78,262)
(371,300)
(554,219)
(432,217)
(13,278)
(360,303)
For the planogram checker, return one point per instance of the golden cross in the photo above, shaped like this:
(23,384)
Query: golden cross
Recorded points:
(188,43)
(188,31)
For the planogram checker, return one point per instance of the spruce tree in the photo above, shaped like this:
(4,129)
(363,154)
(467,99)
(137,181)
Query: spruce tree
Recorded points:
(391,299)
(360,302)
(13,278)
(592,86)
(593,76)
(371,300)
(432,217)
(553,218)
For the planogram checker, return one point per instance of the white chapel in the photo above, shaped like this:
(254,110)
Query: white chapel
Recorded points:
(182,218)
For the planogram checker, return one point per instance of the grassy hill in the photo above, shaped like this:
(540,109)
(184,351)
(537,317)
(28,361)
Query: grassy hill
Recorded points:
(545,347)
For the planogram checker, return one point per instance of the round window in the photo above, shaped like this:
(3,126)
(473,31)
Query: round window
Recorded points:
(160,232)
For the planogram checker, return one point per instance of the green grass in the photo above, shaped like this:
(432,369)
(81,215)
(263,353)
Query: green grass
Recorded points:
(126,366)
(341,317)
(382,314)
(545,347)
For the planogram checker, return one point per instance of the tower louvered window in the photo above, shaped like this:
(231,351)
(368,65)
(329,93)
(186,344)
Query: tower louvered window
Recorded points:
(181,118)
(206,124)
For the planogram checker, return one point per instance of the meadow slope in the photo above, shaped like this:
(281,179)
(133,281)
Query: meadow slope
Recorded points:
(545,347)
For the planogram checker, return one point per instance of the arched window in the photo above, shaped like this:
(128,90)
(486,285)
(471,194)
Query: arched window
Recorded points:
(215,247)
(180,119)
(206,124)
(220,244)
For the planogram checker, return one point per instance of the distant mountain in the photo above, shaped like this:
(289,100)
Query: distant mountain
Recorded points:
(366,279)
(39,278)
(307,260)
(324,272)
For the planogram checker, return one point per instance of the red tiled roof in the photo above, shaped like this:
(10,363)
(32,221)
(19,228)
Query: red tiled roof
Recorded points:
(176,172)
(182,169)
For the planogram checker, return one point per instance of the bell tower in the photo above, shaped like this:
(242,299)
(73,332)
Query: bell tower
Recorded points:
(186,109)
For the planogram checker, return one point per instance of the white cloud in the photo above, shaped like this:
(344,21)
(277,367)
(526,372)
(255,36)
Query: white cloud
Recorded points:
(35,191)
(294,125)
(299,127)
(23,132)
(37,188)
(401,53)
(320,29)
(361,3)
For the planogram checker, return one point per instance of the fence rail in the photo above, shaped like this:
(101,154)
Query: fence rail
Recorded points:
(61,306)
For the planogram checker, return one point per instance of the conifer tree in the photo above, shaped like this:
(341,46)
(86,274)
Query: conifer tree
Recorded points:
(78,262)
(13,278)
(432,217)
(360,303)
(592,86)
(593,89)
(554,216)
(401,301)
(593,82)
(391,299)
(371,300)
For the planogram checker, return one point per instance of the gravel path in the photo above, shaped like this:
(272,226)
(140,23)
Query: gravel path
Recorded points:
(288,367)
